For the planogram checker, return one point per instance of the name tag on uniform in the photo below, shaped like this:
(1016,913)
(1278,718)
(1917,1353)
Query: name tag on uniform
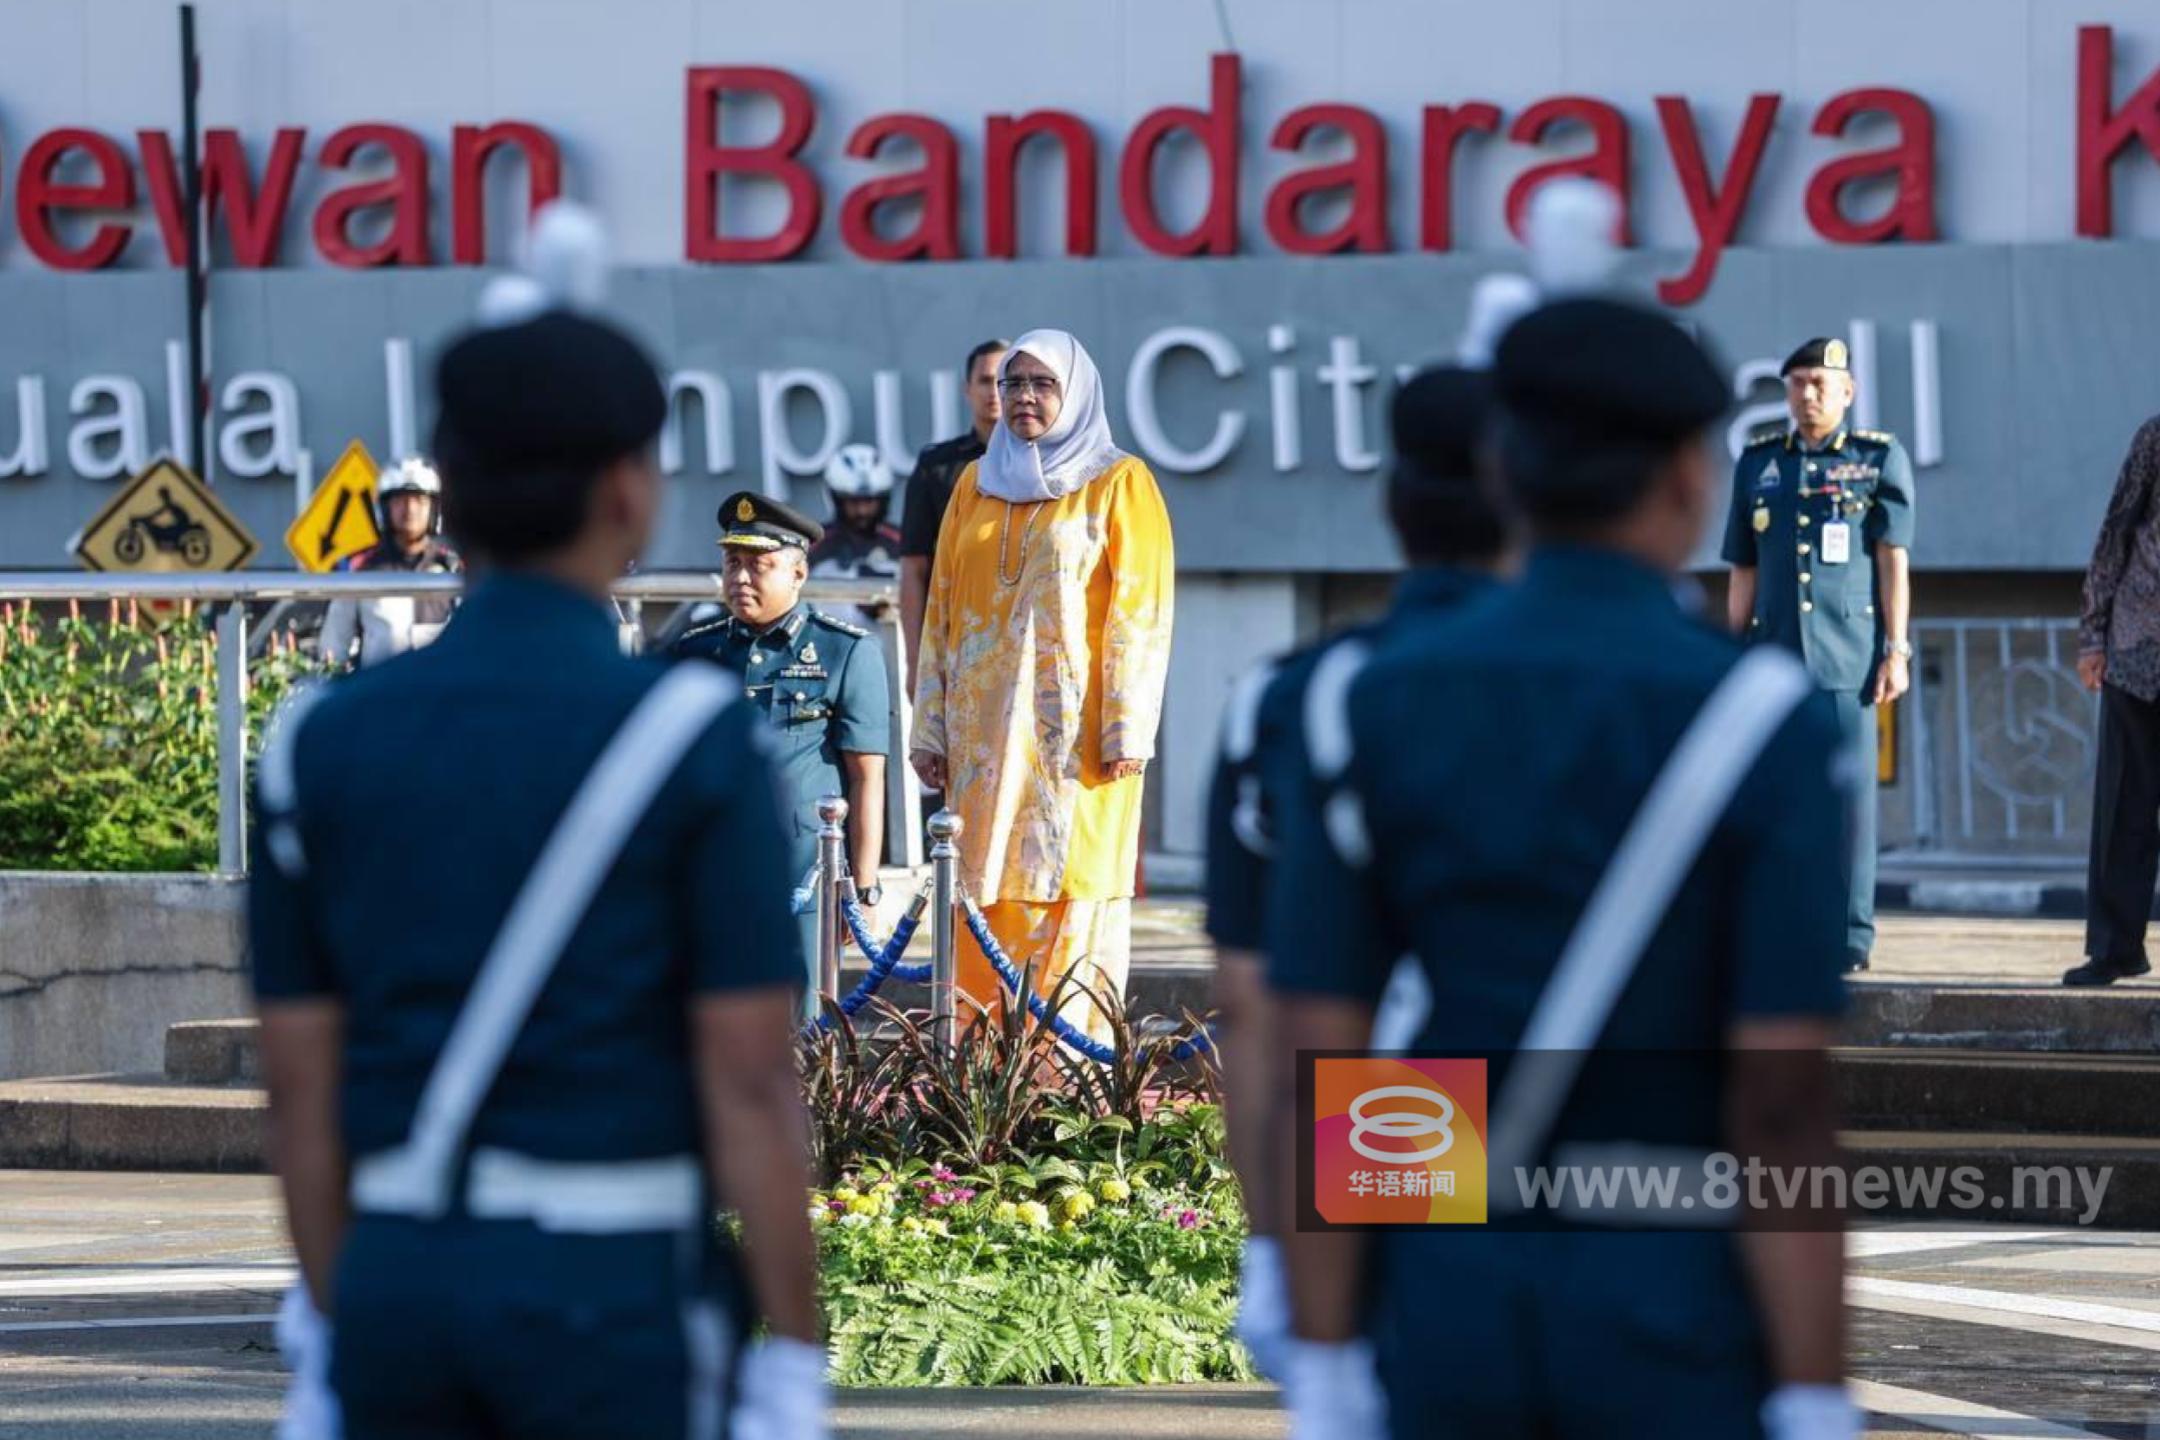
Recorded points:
(1836,543)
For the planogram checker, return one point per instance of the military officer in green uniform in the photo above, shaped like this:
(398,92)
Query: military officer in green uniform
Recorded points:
(820,681)
(1818,539)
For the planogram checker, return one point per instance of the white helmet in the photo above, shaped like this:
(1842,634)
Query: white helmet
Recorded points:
(859,470)
(411,473)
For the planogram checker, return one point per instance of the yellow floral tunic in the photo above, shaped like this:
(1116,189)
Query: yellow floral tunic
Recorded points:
(1045,648)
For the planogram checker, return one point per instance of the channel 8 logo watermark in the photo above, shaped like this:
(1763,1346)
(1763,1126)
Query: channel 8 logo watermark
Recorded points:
(1398,1141)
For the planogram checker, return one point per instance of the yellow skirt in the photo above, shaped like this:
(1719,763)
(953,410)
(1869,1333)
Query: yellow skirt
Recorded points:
(1090,938)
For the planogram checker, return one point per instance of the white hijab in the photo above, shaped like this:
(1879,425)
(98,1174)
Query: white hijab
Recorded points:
(1070,453)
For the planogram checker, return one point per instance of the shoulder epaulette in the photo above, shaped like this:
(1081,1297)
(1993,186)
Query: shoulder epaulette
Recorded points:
(840,625)
(1880,437)
(1774,435)
(702,628)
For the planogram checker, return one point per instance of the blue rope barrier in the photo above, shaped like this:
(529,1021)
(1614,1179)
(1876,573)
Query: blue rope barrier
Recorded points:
(979,926)
(883,965)
(859,925)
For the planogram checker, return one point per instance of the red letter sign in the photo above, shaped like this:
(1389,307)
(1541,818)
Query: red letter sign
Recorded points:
(38,195)
(470,147)
(1912,161)
(1002,140)
(1364,173)
(406,191)
(1716,209)
(1606,162)
(1444,127)
(937,183)
(254,223)
(2102,136)
(708,161)
(1216,128)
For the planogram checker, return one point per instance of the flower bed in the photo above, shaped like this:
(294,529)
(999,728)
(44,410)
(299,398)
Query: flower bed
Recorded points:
(1056,1220)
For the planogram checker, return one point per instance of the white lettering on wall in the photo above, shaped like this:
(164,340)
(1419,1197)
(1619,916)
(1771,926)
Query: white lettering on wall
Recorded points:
(124,426)
(29,456)
(1148,431)
(1345,375)
(782,457)
(1286,428)
(716,411)
(276,426)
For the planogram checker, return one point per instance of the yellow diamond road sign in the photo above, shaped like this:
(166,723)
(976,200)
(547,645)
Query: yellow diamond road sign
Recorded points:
(164,520)
(340,516)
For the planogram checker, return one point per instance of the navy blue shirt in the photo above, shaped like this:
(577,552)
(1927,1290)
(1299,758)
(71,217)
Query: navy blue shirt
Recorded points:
(1499,758)
(821,682)
(424,789)
(1264,750)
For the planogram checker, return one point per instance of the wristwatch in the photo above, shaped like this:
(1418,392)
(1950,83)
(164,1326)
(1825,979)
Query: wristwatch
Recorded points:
(1902,649)
(875,895)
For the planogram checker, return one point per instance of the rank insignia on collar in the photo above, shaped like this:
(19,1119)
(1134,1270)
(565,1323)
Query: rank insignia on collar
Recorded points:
(744,510)
(809,654)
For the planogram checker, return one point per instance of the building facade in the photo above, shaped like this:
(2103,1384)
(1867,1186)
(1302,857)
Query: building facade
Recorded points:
(1256,214)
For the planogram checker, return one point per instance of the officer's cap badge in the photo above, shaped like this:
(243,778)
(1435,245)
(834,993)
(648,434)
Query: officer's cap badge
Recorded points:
(1834,356)
(744,510)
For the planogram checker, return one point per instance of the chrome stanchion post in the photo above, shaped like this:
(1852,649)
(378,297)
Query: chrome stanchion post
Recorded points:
(232,628)
(945,899)
(832,867)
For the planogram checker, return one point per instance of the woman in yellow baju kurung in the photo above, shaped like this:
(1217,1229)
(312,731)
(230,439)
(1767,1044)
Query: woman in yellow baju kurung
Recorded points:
(1045,649)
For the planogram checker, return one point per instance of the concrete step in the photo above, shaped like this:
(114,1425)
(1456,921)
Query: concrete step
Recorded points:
(130,1122)
(1996,1091)
(223,1052)
(2039,1018)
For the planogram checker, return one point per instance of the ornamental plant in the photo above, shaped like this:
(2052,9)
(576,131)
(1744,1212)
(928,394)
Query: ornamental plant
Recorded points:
(108,736)
(1004,1211)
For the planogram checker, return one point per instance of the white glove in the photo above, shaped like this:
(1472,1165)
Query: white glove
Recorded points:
(781,1394)
(303,1338)
(1263,1310)
(1333,1392)
(1810,1412)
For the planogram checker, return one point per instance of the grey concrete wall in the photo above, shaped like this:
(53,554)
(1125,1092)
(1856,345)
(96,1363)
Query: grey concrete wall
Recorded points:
(94,967)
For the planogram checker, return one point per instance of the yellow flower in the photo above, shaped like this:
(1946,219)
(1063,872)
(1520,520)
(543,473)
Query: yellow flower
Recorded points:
(1035,1213)
(1117,1192)
(1005,1210)
(936,1227)
(1067,1225)
(862,1205)
(1077,1205)
(820,1215)
(911,1226)
(845,1192)
(883,1187)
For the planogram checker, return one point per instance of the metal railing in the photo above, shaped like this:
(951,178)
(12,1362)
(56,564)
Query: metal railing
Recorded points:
(231,594)
(1997,746)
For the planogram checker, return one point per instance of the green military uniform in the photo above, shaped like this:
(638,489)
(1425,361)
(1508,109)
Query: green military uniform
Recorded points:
(820,682)
(1809,520)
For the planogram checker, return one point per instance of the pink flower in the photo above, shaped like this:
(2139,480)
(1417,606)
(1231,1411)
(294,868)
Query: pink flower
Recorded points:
(941,1172)
(838,1207)
(964,1193)
(1188,1220)
(938,1199)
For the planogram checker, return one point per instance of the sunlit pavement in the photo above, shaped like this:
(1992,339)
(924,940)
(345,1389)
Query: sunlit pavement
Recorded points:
(133,1307)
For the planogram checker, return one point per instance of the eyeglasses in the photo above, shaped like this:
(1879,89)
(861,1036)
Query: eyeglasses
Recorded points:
(1019,385)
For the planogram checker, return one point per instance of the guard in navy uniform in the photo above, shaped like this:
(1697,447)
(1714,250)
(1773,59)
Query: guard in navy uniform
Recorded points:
(1818,537)
(1477,794)
(506,1109)
(819,680)
(1456,540)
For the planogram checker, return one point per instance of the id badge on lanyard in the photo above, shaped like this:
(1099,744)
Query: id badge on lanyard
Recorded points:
(1837,543)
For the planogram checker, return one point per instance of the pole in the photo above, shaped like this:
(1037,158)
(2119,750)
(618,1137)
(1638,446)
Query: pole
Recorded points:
(232,737)
(198,287)
(945,829)
(832,875)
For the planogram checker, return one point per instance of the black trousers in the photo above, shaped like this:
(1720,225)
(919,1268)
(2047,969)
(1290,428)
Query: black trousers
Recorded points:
(2125,856)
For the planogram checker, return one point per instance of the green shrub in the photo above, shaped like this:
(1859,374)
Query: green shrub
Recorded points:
(108,738)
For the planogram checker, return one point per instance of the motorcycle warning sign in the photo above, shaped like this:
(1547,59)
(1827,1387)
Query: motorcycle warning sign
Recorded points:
(164,520)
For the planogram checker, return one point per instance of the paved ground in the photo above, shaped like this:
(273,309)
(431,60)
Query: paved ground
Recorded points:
(131,1305)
